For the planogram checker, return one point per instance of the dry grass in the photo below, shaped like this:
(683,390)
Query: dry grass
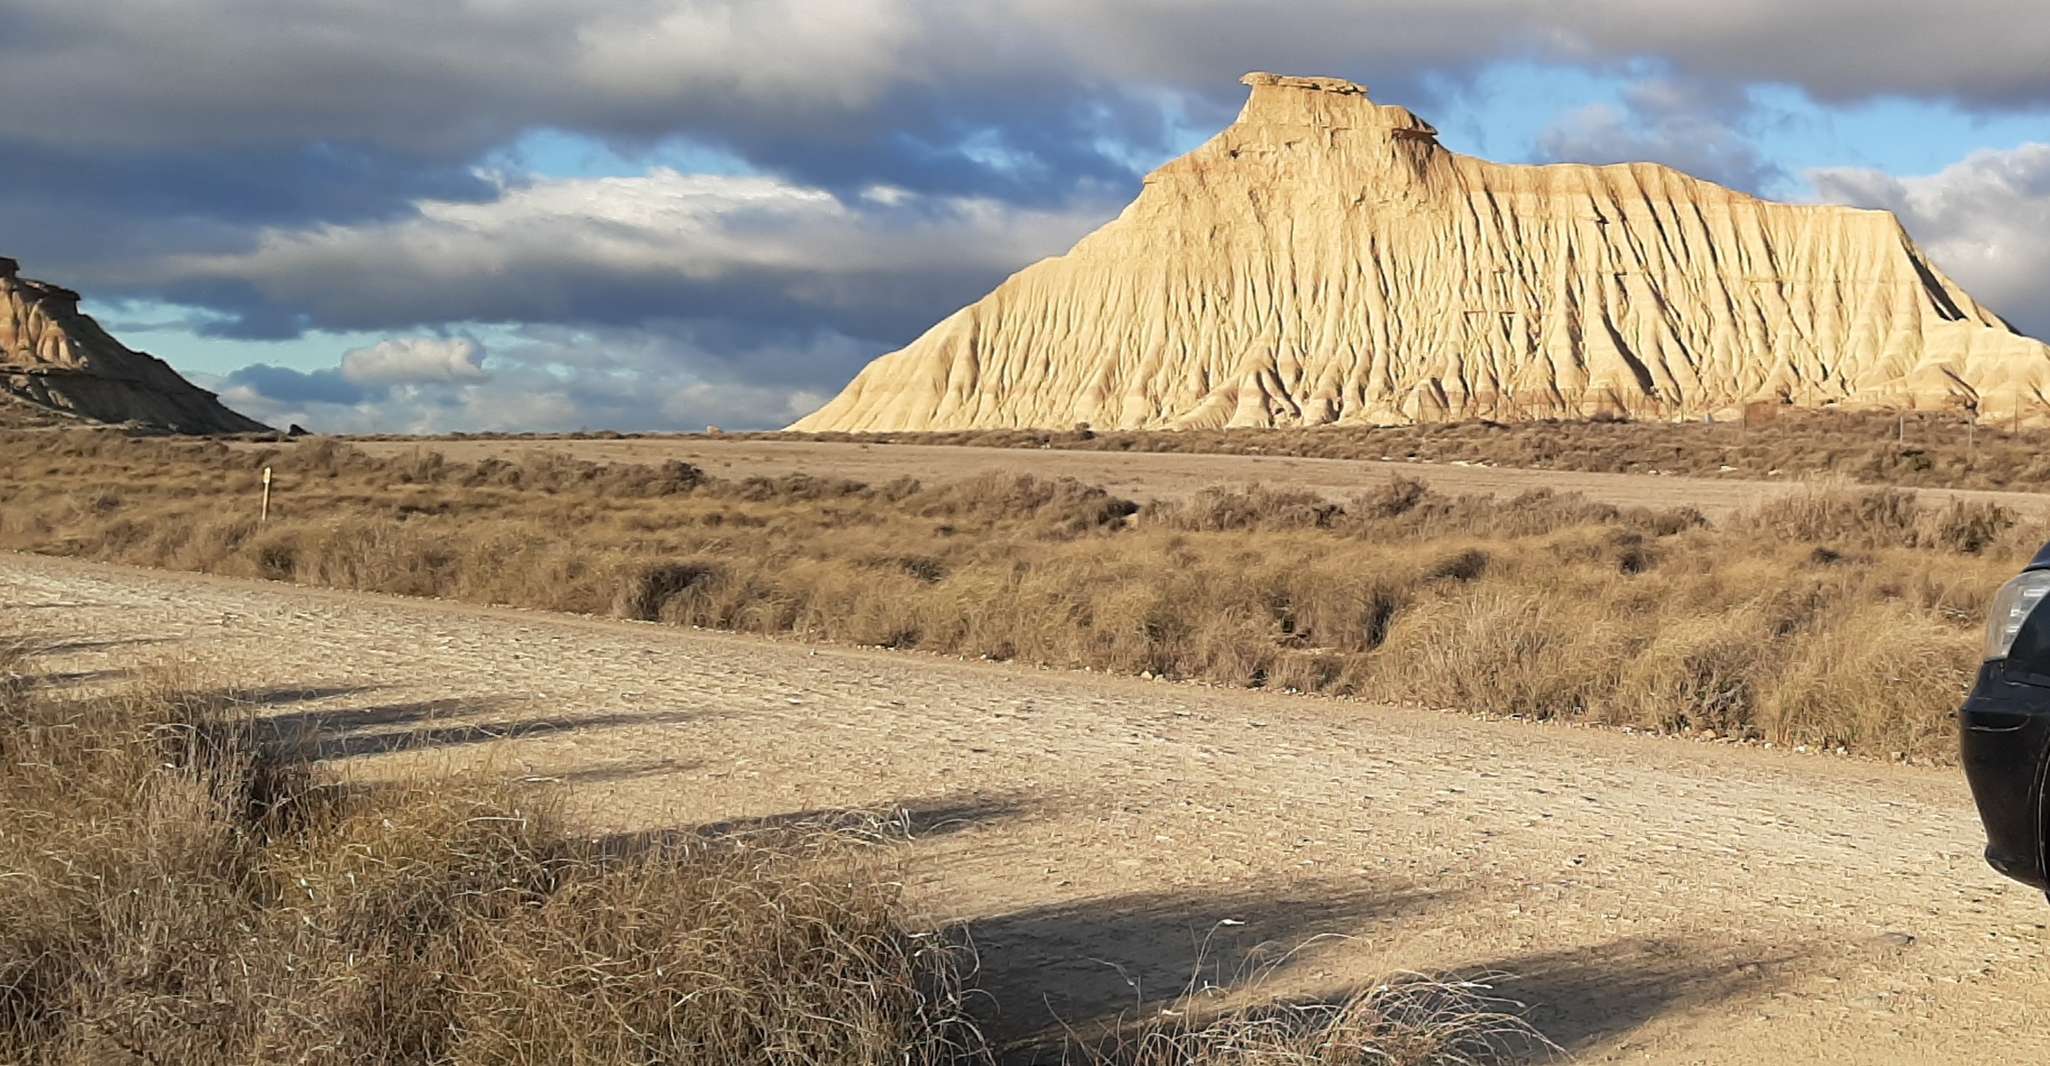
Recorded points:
(1878,518)
(1844,617)
(1411,1021)
(179,892)
(1923,449)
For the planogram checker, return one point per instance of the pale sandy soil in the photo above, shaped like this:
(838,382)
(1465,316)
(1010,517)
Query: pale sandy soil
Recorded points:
(1656,900)
(1149,476)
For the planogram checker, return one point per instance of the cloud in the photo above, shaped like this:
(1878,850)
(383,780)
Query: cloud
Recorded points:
(275,386)
(1025,100)
(622,251)
(1683,124)
(329,170)
(1982,219)
(199,126)
(396,384)
(415,361)
(448,77)
(542,378)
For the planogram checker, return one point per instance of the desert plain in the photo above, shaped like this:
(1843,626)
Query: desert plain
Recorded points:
(1112,842)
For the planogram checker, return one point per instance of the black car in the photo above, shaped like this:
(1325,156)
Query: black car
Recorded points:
(2004,727)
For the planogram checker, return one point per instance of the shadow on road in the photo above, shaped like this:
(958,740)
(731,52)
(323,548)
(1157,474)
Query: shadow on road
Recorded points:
(615,772)
(270,696)
(419,725)
(1584,996)
(1095,965)
(1087,970)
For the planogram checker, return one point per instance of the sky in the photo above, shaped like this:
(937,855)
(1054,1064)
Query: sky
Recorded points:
(439,215)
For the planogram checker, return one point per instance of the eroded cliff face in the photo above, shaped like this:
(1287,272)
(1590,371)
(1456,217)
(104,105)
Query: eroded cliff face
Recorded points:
(1324,259)
(63,366)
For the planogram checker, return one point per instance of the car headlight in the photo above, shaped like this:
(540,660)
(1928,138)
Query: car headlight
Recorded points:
(2011,607)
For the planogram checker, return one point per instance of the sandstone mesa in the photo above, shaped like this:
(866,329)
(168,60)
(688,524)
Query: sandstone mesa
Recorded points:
(58,366)
(1325,260)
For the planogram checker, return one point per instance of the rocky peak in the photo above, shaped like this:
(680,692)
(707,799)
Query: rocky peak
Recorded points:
(1324,259)
(57,359)
(1260,79)
(1327,104)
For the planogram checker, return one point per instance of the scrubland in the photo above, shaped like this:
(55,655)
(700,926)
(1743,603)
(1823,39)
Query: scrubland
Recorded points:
(1840,617)
(1927,449)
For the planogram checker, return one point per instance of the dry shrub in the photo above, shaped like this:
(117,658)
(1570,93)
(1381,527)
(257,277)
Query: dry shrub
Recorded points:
(1870,517)
(1058,507)
(644,594)
(1698,673)
(525,564)
(1879,679)
(180,891)
(1219,510)
(1879,518)
(1405,509)
(375,556)
(1410,1021)
(1502,652)
(1394,498)
(1965,526)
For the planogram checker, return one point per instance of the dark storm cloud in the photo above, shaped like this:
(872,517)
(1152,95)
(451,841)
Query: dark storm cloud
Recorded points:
(287,183)
(1036,148)
(295,386)
(97,217)
(889,307)
(185,124)
(893,90)
(742,251)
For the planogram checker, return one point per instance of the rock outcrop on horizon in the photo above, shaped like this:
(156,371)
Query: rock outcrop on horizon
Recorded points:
(1324,259)
(58,366)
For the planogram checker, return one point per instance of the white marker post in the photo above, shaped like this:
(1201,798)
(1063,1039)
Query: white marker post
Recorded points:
(263,515)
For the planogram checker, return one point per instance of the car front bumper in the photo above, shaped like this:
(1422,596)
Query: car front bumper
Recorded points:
(2004,737)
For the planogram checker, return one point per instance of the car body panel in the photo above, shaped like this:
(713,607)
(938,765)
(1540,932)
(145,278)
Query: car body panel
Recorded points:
(2004,742)
(2004,735)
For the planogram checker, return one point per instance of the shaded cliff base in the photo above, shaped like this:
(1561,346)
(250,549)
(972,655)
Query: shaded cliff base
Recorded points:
(17,412)
(54,399)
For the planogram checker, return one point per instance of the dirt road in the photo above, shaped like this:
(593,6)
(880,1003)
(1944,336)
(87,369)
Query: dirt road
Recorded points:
(1153,475)
(1656,900)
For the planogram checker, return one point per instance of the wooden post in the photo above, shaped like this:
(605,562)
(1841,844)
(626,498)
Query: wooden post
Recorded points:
(263,515)
(1901,432)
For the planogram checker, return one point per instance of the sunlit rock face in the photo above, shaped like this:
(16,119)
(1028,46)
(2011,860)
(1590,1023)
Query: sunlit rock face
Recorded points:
(1325,260)
(57,365)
